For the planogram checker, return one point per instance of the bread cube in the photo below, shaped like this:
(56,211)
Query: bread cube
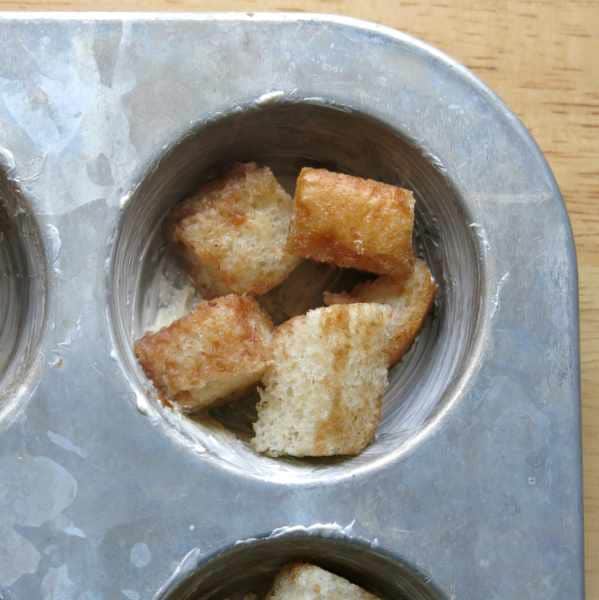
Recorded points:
(353,222)
(323,390)
(232,233)
(301,581)
(301,291)
(411,300)
(220,348)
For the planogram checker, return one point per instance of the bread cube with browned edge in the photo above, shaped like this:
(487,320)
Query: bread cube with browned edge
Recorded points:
(323,390)
(232,233)
(353,222)
(302,581)
(411,300)
(221,348)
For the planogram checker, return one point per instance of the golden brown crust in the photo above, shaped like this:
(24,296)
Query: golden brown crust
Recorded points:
(411,299)
(352,222)
(225,185)
(232,233)
(314,582)
(219,340)
(333,430)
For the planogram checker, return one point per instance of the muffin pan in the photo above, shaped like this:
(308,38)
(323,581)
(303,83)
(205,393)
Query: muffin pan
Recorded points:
(472,488)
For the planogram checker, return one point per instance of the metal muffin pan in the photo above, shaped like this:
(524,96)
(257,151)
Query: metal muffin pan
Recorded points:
(472,488)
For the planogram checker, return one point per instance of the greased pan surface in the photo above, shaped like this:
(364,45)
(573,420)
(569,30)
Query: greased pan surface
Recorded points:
(472,488)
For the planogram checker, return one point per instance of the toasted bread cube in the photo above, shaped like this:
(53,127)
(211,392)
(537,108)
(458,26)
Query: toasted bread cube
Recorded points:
(411,300)
(232,233)
(301,581)
(323,390)
(220,348)
(353,222)
(301,291)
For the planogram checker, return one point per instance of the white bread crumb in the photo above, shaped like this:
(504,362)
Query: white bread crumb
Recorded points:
(324,388)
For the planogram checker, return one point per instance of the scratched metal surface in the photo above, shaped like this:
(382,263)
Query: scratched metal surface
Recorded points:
(472,488)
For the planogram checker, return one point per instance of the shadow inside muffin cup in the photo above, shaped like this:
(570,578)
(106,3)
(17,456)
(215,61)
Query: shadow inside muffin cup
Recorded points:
(288,135)
(250,567)
(22,291)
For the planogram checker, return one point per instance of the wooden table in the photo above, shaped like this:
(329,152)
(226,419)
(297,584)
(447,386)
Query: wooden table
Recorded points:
(541,58)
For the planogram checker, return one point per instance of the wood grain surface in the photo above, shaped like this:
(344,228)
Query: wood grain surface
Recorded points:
(542,58)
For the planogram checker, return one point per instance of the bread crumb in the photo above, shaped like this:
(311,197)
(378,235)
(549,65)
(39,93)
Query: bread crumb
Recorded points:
(323,390)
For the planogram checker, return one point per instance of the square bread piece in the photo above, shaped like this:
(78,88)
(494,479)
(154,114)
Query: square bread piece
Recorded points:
(323,391)
(353,222)
(411,300)
(301,581)
(221,347)
(232,233)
